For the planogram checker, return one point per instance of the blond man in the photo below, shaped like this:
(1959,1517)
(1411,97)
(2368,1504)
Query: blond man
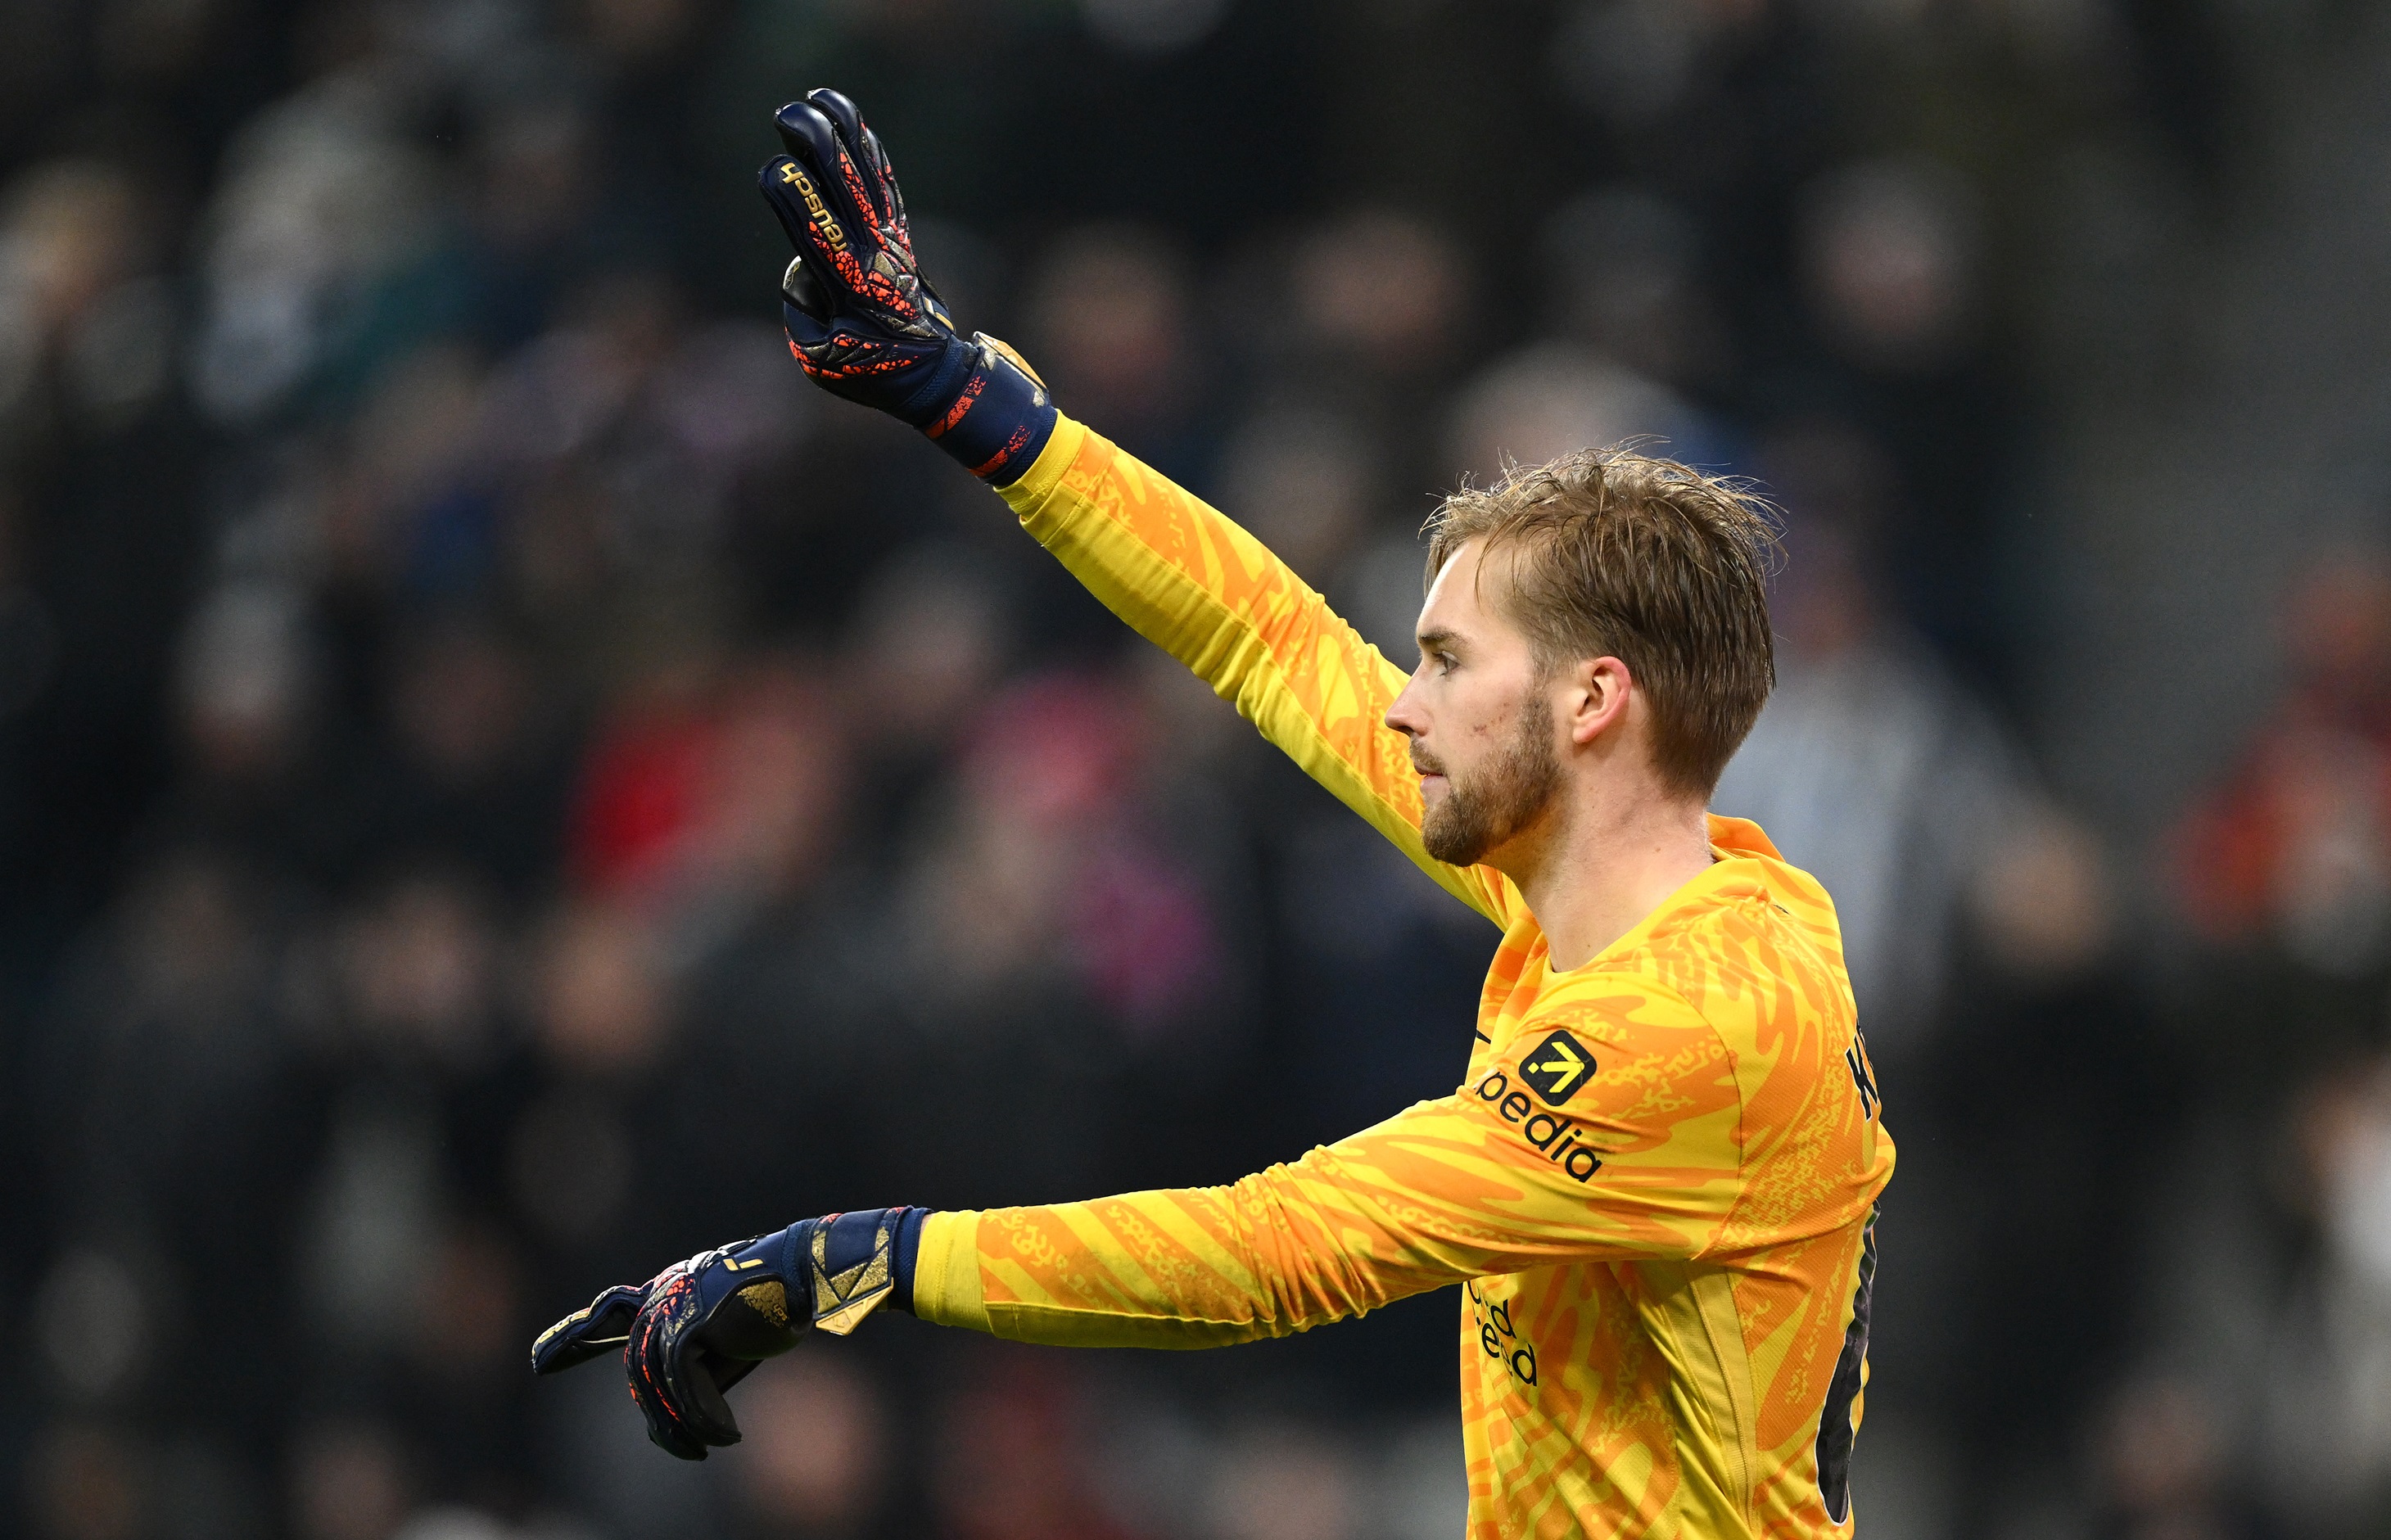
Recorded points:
(1656,1184)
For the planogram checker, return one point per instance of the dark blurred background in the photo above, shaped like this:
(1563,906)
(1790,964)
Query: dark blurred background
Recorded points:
(501,785)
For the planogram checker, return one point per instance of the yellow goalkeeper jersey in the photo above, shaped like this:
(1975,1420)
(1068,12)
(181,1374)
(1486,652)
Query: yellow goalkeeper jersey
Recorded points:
(1657,1182)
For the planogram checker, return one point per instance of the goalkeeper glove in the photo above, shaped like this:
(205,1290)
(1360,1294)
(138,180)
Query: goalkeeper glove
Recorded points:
(700,1327)
(863,321)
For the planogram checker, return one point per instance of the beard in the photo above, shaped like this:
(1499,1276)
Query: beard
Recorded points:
(1499,800)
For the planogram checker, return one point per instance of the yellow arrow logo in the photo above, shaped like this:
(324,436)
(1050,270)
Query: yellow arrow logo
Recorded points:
(1563,1063)
(1558,1065)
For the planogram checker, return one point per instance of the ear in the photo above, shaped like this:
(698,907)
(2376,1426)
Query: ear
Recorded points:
(1594,699)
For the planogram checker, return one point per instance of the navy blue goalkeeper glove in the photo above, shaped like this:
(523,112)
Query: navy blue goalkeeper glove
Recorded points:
(863,321)
(702,1326)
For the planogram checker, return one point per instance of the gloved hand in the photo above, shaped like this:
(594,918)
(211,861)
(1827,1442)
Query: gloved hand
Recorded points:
(700,1327)
(861,318)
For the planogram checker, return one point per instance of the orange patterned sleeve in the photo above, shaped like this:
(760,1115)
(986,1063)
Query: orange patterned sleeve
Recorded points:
(1213,596)
(1608,1131)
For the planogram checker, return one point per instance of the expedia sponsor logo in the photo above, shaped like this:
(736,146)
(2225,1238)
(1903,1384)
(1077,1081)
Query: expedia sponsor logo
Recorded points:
(1554,1137)
(816,210)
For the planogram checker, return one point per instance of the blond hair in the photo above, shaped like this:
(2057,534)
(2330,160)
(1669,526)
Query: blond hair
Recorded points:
(1619,554)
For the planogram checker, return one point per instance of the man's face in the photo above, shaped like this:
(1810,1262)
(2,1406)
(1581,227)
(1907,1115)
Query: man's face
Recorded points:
(1476,712)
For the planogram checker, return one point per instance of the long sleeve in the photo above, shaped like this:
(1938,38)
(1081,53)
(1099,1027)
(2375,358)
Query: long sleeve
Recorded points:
(1539,1161)
(1656,1181)
(1195,584)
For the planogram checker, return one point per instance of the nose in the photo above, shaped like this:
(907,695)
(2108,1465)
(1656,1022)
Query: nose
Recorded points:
(1404,715)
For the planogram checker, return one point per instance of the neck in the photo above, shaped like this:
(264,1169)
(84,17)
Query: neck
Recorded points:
(1591,874)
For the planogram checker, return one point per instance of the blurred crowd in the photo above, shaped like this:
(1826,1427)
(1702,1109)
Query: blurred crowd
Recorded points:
(501,785)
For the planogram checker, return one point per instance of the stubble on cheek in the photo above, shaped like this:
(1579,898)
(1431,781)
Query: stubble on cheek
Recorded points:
(1500,799)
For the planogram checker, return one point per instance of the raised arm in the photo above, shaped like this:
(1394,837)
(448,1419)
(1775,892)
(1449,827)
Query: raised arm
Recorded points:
(867,326)
(1203,590)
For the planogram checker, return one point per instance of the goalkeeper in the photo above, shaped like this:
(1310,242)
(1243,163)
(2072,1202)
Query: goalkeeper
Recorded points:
(1656,1183)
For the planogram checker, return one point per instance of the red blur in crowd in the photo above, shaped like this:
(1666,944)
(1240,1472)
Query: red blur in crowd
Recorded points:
(2297,840)
(729,785)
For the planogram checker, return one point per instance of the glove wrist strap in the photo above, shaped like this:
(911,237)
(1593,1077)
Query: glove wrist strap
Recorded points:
(999,420)
(846,1266)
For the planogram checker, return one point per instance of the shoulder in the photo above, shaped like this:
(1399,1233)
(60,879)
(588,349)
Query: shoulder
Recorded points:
(1761,941)
(1764,970)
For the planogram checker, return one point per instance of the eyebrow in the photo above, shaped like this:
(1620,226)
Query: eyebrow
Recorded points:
(1441,637)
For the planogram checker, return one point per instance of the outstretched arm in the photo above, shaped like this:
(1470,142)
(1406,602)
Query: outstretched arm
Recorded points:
(1540,1161)
(866,325)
